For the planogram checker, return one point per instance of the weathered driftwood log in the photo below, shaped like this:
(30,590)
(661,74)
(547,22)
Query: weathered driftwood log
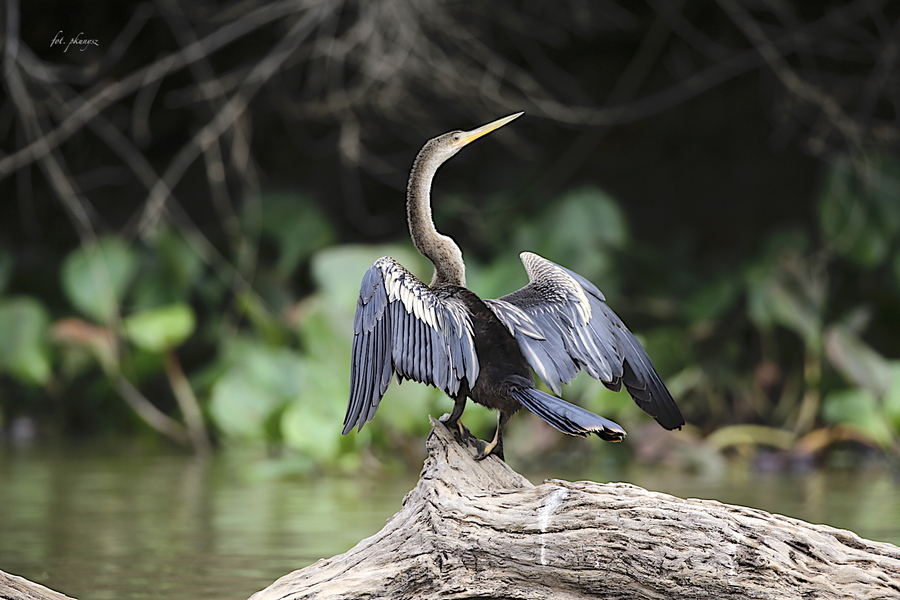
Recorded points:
(480,530)
(13,587)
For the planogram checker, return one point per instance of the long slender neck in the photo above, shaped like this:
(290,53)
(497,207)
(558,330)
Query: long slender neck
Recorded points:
(441,250)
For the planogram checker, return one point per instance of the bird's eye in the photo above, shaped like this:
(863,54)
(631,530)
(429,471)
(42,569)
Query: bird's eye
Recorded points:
(456,136)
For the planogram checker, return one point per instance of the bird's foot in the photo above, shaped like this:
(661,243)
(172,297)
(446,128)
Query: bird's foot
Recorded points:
(459,431)
(489,449)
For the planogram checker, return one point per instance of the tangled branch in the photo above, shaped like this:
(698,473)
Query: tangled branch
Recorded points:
(363,67)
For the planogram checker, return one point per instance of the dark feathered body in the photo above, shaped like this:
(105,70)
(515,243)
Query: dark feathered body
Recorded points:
(503,366)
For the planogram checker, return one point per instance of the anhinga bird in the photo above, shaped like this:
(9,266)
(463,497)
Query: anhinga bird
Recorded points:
(444,335)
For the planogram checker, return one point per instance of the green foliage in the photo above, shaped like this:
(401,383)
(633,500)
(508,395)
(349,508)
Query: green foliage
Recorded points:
(326,333)
(256,383)
(582,230)
(712,300)
(298,398)
(96,278)
(860,408)
(790,295)
(309,427)
(859,210)
(790,287)
(779,287)
(337,272)
(24,353)
(169,271)
(294,224)
(878,386)
(160,329)
(765,352)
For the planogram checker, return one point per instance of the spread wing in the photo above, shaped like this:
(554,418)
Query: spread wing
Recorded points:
(402,326)
(563,324)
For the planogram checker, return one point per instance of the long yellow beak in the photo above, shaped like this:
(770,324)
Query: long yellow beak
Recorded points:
(467,137)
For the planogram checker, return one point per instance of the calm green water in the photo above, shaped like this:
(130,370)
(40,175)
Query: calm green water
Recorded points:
(128,524)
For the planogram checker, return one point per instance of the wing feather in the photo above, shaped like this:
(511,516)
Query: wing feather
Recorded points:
(403,327)
(563,324)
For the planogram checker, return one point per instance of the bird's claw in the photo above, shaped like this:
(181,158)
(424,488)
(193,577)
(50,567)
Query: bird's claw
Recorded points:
(464,437)
(460,432)
(489,449)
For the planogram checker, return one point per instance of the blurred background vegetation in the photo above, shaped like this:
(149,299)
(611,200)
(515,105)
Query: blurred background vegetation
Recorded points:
(188,207)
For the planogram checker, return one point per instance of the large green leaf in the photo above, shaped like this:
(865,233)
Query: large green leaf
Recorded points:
(866,368)
(891,398)
(172,271)
(23,348)
(501,276)
(312,424)
(581,230)
(770,302)
(258,382)
(786,288)
(859,408)
(713,299)
(857,361)
(95,278)
(325,333)
(160,329)
(406,407)
(240,406)
(337,271)
(295,224)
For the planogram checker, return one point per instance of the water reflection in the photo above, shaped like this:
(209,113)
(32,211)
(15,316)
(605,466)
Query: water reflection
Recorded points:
(127,524)
(169,526)
(865,502)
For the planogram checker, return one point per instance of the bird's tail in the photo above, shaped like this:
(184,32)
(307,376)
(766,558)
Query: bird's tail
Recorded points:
(567,417)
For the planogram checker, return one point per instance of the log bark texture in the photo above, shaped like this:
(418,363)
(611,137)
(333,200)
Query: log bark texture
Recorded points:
(13,587)
(480,530)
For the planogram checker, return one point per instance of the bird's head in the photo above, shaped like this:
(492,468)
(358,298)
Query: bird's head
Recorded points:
(444,146)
